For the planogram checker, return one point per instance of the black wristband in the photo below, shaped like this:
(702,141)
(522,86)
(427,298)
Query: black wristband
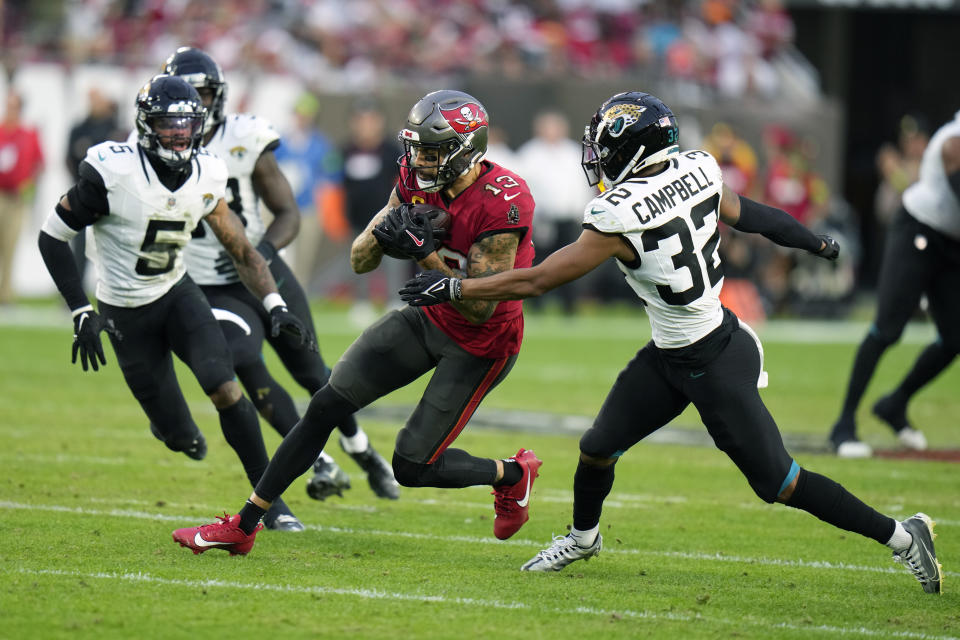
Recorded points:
(775,224)
(267,250)
(456,289)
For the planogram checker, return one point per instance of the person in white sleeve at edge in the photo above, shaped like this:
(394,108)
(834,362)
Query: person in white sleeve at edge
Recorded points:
(921,256)
(246,143)
(658,217)
(143,200)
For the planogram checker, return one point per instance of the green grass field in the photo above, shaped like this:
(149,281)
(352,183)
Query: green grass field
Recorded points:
(89,499)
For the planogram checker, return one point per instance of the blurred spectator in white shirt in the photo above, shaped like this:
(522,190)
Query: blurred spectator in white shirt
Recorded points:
(550,163)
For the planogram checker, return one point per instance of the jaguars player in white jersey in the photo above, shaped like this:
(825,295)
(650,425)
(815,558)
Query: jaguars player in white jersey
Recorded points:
(657,216)
(143,200)
(921,256)
(246,143)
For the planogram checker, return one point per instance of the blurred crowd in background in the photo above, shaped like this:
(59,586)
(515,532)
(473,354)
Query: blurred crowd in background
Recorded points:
(342,177)
(731,45)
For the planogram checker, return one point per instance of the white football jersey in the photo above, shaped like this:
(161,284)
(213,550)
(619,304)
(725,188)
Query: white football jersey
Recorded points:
(239,141)
(670,220)
(140,242)
(931,199)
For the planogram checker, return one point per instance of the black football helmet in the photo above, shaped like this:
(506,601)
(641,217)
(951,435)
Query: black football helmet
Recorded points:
(200,70)
(170,120)
(630,131)
(445,136)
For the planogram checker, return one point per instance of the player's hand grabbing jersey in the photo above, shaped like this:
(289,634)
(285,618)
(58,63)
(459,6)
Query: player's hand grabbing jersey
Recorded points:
(144,227)
(670,220)
(498,202)
(239,142)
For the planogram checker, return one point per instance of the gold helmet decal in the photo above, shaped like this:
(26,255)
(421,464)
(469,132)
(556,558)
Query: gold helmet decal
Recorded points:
(619,118)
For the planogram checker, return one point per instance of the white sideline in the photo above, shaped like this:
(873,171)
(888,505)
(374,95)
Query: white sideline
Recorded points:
(683,555)
(478,602)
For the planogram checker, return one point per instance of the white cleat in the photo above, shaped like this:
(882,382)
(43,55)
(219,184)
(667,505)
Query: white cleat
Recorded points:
(854,449)
(920,557)
(562,552)
(912,439)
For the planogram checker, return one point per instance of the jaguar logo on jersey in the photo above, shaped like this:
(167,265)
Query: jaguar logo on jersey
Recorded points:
(465,119)
(207,200)
(238,152)
(618,118)
(513,215)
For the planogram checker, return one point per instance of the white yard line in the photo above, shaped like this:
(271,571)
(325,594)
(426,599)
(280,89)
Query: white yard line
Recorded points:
(374,594)
(711,557)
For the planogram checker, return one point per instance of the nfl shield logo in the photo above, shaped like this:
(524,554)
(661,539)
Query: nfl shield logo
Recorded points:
(171,202)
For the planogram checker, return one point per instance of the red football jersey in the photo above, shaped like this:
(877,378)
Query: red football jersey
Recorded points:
(499,201)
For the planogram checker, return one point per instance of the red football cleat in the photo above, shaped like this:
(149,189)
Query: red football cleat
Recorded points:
(225,534)
(512,501)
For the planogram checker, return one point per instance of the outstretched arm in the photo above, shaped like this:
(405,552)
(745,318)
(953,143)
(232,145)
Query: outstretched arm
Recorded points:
(777,225)
(491,255)
(562,266)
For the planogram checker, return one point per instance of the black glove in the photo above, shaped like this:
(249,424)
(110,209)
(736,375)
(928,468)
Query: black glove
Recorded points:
(405,234)
(830,250)
(86,338)
(429,288)
(281,320)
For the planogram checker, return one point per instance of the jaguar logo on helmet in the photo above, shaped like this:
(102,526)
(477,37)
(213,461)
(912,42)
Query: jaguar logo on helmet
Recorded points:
(620,117)
(466,118)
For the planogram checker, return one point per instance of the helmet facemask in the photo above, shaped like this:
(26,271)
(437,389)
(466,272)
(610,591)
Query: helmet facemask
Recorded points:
(170,118)
(432,167)
(174,138)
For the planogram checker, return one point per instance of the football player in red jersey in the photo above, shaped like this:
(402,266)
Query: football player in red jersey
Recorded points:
(470,345)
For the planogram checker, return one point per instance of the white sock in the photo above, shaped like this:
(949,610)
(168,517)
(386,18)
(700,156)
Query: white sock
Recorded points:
(900,539)
(326,457)
(586,538)
(355,444)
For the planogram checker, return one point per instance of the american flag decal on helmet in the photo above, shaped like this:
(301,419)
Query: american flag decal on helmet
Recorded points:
(664,121)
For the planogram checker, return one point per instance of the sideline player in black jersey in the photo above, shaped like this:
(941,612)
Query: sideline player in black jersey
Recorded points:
(658,218)
(143,200)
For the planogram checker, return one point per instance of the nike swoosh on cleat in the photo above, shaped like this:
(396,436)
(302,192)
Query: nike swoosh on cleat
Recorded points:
(200,542)
(417,241)
(526,496)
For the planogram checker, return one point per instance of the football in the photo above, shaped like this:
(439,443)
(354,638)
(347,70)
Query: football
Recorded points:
(440,220)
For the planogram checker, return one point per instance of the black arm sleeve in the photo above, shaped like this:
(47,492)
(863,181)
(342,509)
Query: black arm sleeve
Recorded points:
(63,269)
(87,198)
(776,225)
